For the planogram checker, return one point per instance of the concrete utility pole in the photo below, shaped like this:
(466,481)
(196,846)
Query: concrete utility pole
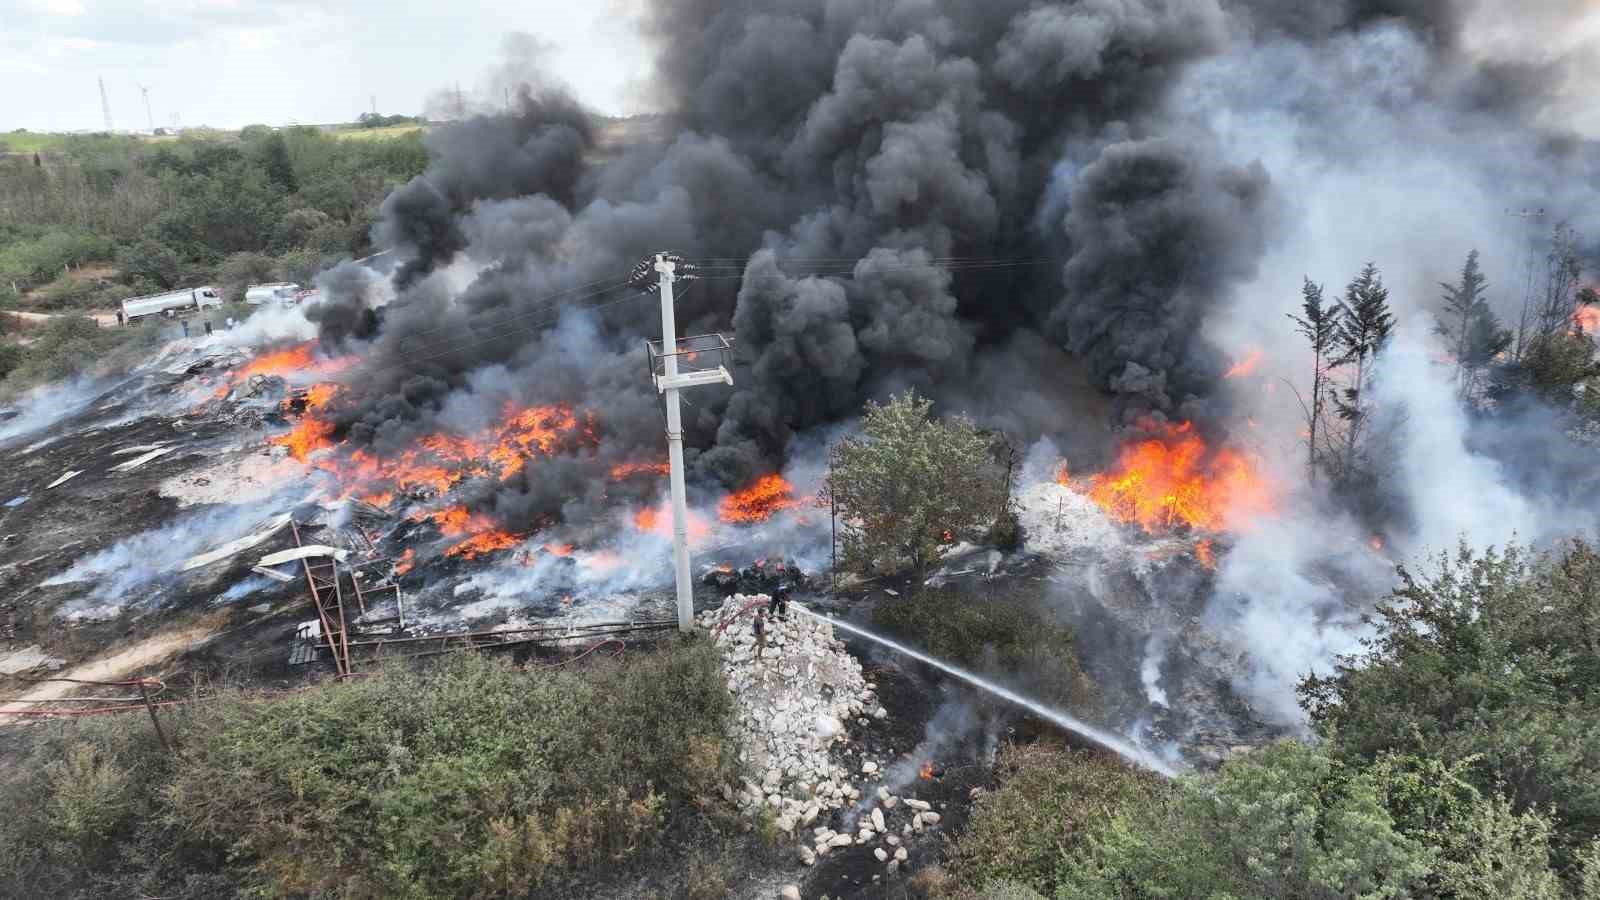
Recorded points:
(669,380)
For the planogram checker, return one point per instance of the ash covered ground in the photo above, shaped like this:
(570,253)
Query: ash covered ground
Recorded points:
(184,482)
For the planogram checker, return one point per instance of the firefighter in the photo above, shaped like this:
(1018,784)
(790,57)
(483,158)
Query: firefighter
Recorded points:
(760,627)
(780,601)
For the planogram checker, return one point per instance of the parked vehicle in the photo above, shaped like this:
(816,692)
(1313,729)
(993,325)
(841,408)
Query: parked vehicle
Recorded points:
(281,292)
(170,303)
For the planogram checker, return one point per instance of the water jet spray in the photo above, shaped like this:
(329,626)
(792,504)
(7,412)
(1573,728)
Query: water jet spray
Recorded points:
(1105,739)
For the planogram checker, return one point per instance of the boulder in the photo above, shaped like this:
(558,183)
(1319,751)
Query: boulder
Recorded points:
(881,854)
(877,820)
(790,892)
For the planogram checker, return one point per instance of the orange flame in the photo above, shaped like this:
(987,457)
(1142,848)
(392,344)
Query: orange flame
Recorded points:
(300,362)
(408,560)
(1586,320)
(628,470)
(658,520)
(313,433)
(926,771)
(1175,480)
(759,501)
(481,533)
(1205,553)
(559,549)
(439,461)
(1063,477)
(1247,366)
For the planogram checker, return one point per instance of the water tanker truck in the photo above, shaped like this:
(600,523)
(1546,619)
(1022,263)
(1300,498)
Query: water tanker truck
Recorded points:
(170,303)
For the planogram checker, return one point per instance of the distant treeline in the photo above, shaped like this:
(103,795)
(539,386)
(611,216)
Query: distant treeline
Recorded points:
(143,215)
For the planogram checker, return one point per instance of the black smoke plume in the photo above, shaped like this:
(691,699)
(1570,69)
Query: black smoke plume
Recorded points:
(881,195)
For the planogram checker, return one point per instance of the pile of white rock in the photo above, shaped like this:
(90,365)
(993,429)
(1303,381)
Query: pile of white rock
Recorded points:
(794,704)
(875,826)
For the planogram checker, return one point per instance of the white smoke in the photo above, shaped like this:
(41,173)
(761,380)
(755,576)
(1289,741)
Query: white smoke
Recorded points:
(269,323)
(48,404)
(140,570)
(1453,493)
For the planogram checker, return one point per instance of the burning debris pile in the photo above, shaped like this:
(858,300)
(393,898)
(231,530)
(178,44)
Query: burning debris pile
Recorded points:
(761,577)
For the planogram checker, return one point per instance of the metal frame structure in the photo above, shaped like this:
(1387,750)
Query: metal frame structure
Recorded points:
(326,595)
(383,649)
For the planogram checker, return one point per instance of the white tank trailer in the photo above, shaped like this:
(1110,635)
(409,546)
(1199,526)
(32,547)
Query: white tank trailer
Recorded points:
(170,303)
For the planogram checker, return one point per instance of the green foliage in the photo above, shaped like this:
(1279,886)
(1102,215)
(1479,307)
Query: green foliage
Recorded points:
(153,261)
(1319,324)
(1285,821)
(1558,362)
(472,779)
(169,210)
(377,120)
(910,485)
(1049,799)
(1003,636)
(1490,662)
(239,271)
(1007,532)
(67,345)
(1469,328)
(45,255)
(1499,855)
(70,292)
(90,794)
(11,357)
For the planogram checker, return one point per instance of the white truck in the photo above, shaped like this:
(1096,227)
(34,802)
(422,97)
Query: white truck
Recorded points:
(170,303)
(280,292)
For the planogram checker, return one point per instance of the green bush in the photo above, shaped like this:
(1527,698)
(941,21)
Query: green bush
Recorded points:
(1006,636)
(469,779)
(1491,661)
(73,293)
(44,257)
(1049,798)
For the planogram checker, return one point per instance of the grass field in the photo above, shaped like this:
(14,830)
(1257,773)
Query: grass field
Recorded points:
(29,141)
(48,142)
(374,134)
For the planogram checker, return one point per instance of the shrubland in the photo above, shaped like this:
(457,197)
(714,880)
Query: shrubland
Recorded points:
(1454,760)
(473,778)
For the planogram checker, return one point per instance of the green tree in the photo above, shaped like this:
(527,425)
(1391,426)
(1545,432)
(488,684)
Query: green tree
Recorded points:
(1319,324)
(1555,364)
(910,485)
(241,270)
(274,156)
(153,260)
(1468,326)
(1491,662)
(1364,328)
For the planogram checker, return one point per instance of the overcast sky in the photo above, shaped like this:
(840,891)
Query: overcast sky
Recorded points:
(229,63)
